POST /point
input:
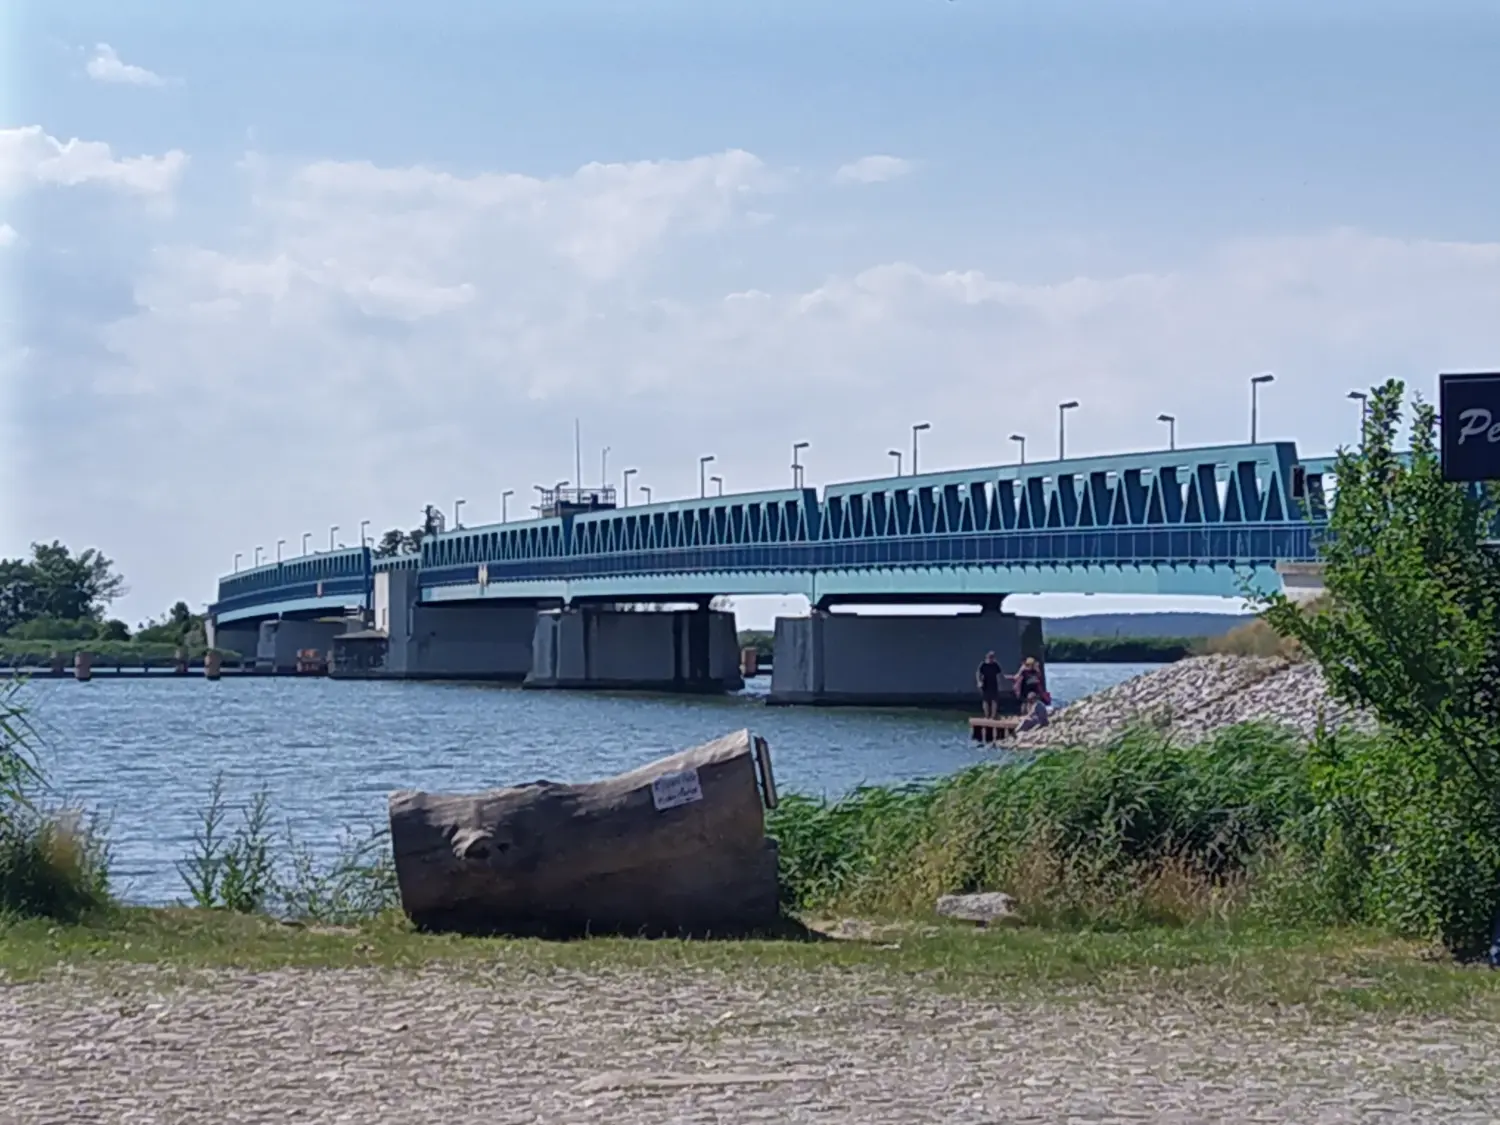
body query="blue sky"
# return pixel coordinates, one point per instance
(400, 246)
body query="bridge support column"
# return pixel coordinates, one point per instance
(695, 650)
(412, 641)
(886, 661)
(234, 637)
(279, 642)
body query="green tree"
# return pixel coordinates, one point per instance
(72, 588)
(1410, 631)
(393, 542)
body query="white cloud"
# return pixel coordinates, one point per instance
(107, 66)
(873, 170)
(30, 157)
(363, 340)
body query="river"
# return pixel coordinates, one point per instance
(144, 752)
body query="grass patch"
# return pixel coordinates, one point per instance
(1330, 972)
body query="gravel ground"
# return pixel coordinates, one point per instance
(1194, 698)
(500, 1046)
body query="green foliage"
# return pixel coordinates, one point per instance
(1409, 632)
(763, 642)
(1141, 831)
(107, 654)
(52, 865)
(57, 584)
(230, 872)
(240, 872)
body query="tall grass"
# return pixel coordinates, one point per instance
(54, 863)
(250, 869)
(1143, 831)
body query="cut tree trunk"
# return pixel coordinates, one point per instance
(677, 846)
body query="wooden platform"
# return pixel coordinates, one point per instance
(993, 730)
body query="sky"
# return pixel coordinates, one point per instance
(268, 268)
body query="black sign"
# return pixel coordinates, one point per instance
(1469, 406)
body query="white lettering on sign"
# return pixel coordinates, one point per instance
(673, 789)
(1477, 420)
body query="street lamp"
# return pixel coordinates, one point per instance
(625, 480)
(280, 543)
(603, 468)
(362, 537)
(1062, 427)
(646, 488)
(1171, 429)
(457, 507)
(258, 551)
(1255, 385)
(915, 430)
(237, 557)
(720, 482)
(306, 535)
(504, 497)
(1020, 439)
(1364, 404)
(796, 464)
(896, 453)
(703, 463)
(332, 531)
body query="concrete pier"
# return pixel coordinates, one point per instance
(412, 641)
(886, 661)
(238, 637)
(279, 642)
(693, 650)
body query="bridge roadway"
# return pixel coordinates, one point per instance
(1196, 521)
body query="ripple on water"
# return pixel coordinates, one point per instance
(144, 751)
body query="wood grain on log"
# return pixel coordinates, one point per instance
(676, 846)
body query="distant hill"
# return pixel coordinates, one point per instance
(1143, 624)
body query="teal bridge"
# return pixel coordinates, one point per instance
(1205, 521)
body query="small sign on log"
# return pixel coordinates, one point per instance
(673, 789)
(1469, 410)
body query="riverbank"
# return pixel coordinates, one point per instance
(1196, 698)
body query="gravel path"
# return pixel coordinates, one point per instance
(628, 1046)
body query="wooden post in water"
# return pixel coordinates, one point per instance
(211, 664)
(55, 665)
(749, 662)
(83, 666)
(180, 661)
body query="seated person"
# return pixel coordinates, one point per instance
(1033, 714)
(1030, 681)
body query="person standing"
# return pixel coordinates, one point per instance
(1029, 681)
(988, 680)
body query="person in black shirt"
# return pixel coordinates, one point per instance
(988, 680)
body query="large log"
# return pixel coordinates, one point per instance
(677, 846)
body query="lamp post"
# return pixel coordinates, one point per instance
(915, 430)
(306, 535)
(720, 482)
(625, 482)
(1020, 440)
(1062, 428)
(797, 448)
(1364, 405)
(1171, 429)
(457, 507)
(603, 468)
(646, 488)
(363, 539)
(280, 543)
(258, 551)
(504, 501)
(896, 453)
(1255, 384)
(332, 531)
(237, 557)
(703, 463)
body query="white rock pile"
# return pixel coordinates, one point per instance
(1192, 699)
